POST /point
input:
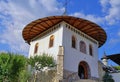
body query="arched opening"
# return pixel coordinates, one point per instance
(36, 48)
(83, 47)
(51, 41)
(73, 42)
(90, 50)
(83, 70)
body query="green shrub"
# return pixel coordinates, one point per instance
(117, 67)
(41, 61)
(12, 66)
(38, 63)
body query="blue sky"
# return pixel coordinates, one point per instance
(15, 14)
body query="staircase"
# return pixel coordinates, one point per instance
(81, 80)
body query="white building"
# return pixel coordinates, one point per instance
(79, 39)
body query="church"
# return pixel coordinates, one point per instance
(72, 41)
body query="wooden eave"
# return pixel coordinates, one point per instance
(36, 27)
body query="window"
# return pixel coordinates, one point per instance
(83, 47)
(90, 50)
(51, 41)
(36, 48)
(73, 42)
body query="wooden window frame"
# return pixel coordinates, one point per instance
(90, 50)
(73, 42)
(83, 47)
(51, 41)
(36, 48)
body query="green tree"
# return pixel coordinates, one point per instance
(12, 67)
(117, 67)
(4, 67)
(41, 61)
(38, 63)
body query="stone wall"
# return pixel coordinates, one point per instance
(71, 76)
(60, 63)
(46, 76)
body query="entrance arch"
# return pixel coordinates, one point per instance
(83, 70)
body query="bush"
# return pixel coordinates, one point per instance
(41, 71)
(117, 67)
(41, 61)
(12, 66)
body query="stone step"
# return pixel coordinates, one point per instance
(86, 81)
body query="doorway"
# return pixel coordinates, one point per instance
(83, 70)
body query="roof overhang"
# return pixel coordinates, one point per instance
(37, 27)
(115, 58)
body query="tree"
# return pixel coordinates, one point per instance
(40, 64)
(41, 61)
(117, 67)
(12, 67)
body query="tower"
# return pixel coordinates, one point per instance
(72, 41)
(105, 59)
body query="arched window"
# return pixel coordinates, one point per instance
(90, 50)
(83, 47)
(36, 48)
(73, 42)
(51, 41)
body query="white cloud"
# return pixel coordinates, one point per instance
(112, 10)
(15, 14)
(119, 33)
(114, 41)
(89, 17)
(104, 4)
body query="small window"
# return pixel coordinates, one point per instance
(36, 48)
(51, 41)
(73, 42)
(83, 47)
(90, 50)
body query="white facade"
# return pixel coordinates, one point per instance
(43, 43)
(72, 56)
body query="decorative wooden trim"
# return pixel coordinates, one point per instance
(81, 33)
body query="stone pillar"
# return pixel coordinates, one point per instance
(60, 60)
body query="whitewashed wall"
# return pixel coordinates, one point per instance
(44, 43)
(73, 56)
